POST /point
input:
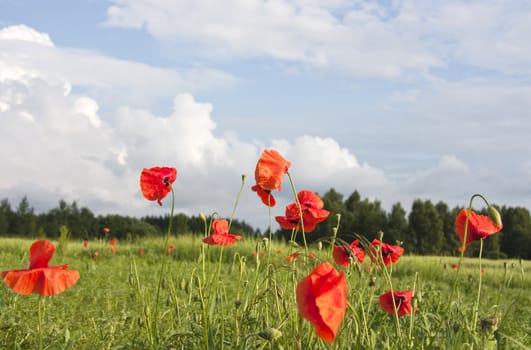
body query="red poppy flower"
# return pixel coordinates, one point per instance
(265, 195)
(390, 253)
(402, 302)
(141, 252)
(113, 249)
(40, 278)
(322, 300)
(106, 230)
(455, 266)
(342, 253)
(85, 243)
(270, 170)
(96, 254)
(479, 227)
(221, 235)
(312, 213)
(156, 182)
(113, 241)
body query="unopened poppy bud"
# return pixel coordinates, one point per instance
(293, 243)
(270, 334)
(495, 216)
(202, 216)
(319, 246)
(372, 282)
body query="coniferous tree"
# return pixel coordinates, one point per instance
(24, 221)
(426, 227)
(397, 227)
(6, 215)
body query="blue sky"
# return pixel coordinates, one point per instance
(397, 99)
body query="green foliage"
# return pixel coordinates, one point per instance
(64, 237)
(429, 229)
(249, 303)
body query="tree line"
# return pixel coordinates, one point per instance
(428, 229)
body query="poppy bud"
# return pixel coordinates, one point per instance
(202, 217)
(319, 246)
(270, 334)
(495, 216)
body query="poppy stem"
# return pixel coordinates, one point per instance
(163, 265)
(236, 202)
(476, 307)
(388, 279)
(40, 311)
(300, 217)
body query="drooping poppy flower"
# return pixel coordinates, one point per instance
(402, 302)
(312, 213)
(322, 300)
(221, 235)
(156, 182)
(389, 253)
(270, 170)
(265, 195)
(40, 278)
(106, 230)
(479, 227)
(269, 173)
(343, 253)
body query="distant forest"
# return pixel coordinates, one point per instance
(428, 229)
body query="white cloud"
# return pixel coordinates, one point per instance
(363, 41)
(25, 33)
(363, 38)
(25, 55)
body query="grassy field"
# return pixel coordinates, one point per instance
(231, 298)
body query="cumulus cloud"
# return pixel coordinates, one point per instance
(60, 141)
(27, 53)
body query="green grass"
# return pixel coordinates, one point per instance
(113, 306)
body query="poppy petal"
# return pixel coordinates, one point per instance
(41, 253)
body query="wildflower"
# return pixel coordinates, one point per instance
(402, 302)
(113, 249)
(96, 254)
(322, 300)
(141, 252)
(40, 278)
(221, 235)
(343, 253)
(455, 266)
(269, 173)
(156, 182)
(113, 242)
(265, 195)
(106, 230)
(85, 243)
(312, 212)
(389, 253)
(293, 256)
(479, 227)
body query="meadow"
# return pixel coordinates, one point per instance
(197, 296)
